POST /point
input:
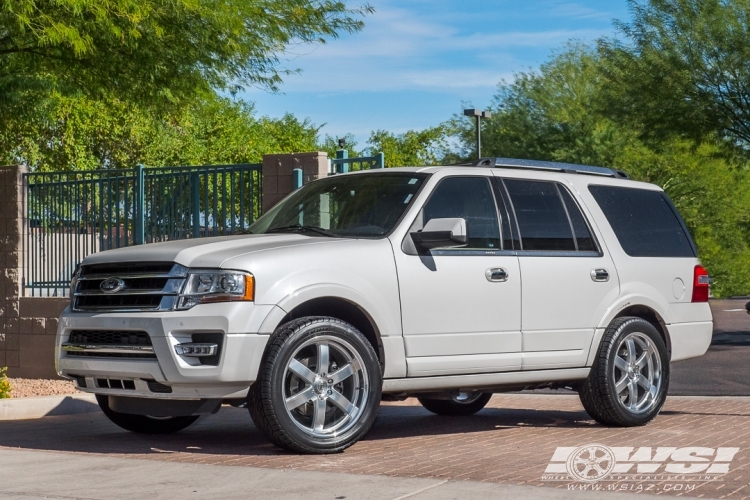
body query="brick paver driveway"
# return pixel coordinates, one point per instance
(510, 441)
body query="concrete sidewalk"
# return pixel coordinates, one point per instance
(31, 474)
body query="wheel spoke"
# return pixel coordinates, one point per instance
(319, 414)
(323, 358)
(339, 400)
(621, 363)
(631, 350)
(632, 394)
(643, 382)
(345, 372)
(300, 398)
(302, 371)
(643, 360)
(622, 384)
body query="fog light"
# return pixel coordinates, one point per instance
(194, 350)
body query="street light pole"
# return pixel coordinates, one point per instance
(478, 114)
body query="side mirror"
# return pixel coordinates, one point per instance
(441, 233)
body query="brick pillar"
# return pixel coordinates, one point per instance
(277, 173)
(11, 260)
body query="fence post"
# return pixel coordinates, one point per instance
(195, 203)
(341, 154)
(380, 161)
(139, 205)
(296, 179)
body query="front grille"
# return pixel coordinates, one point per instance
(148, 286)
(109, 337)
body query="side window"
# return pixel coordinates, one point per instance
(470, 198)
(584, 240)
(542, 218)
(644, 221)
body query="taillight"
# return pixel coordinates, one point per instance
(701, 281)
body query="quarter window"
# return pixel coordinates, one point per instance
(644, 222)
(471, 199)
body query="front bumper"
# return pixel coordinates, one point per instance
(242, 350)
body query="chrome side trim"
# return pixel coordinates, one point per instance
(108, 349)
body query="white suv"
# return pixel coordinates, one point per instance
(445, 283)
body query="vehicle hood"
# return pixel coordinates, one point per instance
(207, 252)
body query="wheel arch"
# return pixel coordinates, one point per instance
(345, 310)
(647, 313)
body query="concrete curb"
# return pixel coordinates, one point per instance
(28, 408)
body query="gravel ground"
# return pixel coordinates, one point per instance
(30, 387)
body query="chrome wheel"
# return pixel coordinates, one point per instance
(464, 397)
(325, 386)
(637, 373)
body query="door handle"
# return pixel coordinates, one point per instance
(600, 275)
(496, 274)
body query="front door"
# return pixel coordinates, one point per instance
(569, 280)
(461, 307)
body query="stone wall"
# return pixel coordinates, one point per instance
(27, 324)
(277, 173)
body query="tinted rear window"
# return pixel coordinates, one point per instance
(644, 222)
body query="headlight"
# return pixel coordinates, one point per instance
(203, 287)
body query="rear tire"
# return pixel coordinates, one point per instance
(318, 389)
(143, 424)
(459, 405)
(629, 380)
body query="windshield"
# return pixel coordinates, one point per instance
(365, 205)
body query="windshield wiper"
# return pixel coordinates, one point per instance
(300, 227)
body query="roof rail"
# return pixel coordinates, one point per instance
(553, 166)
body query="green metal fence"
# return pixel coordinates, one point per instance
(72, 214)
(341, 164)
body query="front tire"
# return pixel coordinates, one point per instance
(628, 382)
(319, 386)
(143, 424)
(461, 404)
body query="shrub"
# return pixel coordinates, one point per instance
(4, 384)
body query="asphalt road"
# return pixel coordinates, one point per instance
(725, 369)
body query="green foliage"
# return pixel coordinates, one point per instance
(331, 144)
(148, 50)
(78, 133)
(557, 114)
(683, 69)
(412, 148)
(5, 389)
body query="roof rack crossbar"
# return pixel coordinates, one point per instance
(549, 166)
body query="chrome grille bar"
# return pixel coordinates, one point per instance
(108, 349)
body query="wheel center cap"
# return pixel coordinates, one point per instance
(320, 386)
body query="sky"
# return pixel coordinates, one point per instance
(418, 62)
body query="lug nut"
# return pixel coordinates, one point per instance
(330, 380)
(330, 392)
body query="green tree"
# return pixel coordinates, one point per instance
(78, 133)
(682, 69)
(146, 50)
(412, 148)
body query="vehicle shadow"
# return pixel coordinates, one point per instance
(231, 431)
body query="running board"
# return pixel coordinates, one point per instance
(482, 380)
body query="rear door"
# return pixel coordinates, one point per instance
(568, 278)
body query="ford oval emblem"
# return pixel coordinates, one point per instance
(112, 285)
